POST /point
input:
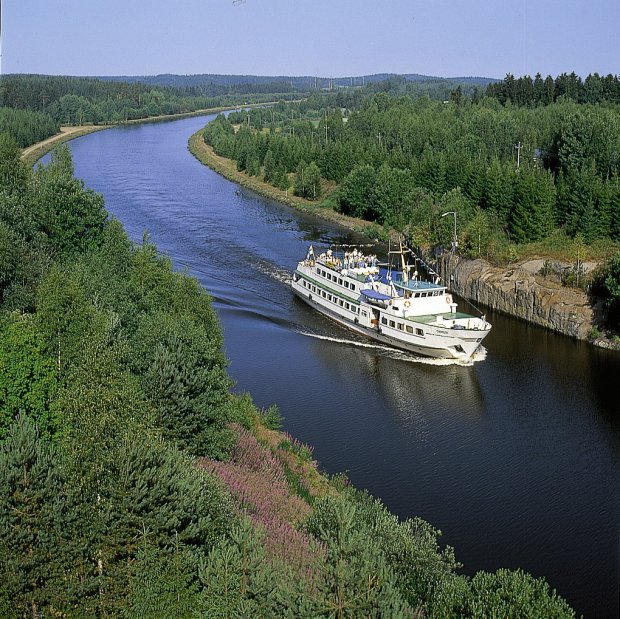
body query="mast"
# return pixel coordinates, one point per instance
(402, 260)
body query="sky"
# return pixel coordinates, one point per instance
(329, 38)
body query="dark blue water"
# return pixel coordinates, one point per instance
(514, 458)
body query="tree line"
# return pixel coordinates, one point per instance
(26, 126)
(524, 90)
(132, 481)
(517, 174)
(78, 101)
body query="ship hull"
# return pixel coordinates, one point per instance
(436, 342)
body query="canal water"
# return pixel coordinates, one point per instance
(514, 457)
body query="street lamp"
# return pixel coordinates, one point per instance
(455, 242)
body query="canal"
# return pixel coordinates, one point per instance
(514, 457)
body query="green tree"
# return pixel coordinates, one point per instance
(161, 585)
(356, 192)
(28, 379)
(512, 595)
(357, 580)
(71, 216)
(30, 492)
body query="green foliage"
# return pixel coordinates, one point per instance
(308, 181)
(41, 102)
(355, 196)
(25, 126)
(161, 585)
(607, 287)
(392, 146)
(512, 595)
(190, 392)
(357, 580)
(237, 581)
(28, 376)
(30, 493)
(13, 174)
(72, 217)
(65, 316)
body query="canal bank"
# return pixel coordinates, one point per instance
(514, 457)
(515, 290)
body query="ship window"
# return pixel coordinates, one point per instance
(341, 302)
(340, 281)
(323, 293)
(346, 305)
(400, 326)
(392, 324)
(384, 320)
(419, 332)
(409, 329)
(364, 314)
(352, 286)
(417, 295)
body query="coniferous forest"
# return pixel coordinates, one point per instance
(134, 483)
(517, 171)
(524, 162)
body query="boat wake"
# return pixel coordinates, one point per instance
(479, 355)
(273, 272)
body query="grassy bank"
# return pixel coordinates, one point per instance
(228, 169)
(32, 154)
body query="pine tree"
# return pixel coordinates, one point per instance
(189, 390)
(30, 492)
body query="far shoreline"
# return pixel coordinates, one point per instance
(31, 154)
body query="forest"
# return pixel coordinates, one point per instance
(26, 126)
(542, 171)
(135, 483)
(81, 100)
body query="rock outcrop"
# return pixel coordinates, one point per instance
(517, 291)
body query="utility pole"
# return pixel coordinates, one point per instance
(455, 242)
(518, 148)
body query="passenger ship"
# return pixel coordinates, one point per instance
(390, 306)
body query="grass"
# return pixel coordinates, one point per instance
(228, 169)
(558, 246)
(33, 153)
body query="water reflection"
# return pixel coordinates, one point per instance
(515, 458)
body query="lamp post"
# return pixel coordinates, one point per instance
(455, 242)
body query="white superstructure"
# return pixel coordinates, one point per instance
(386, 305)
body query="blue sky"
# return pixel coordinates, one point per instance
(310, 37)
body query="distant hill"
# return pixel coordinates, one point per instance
(303, 82)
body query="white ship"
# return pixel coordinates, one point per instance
(389, 306)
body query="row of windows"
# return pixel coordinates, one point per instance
(330, 297)
(427, 293)
(401, 326)
(334, 278)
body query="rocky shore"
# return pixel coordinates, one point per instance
(516, 290)
(519, 290)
